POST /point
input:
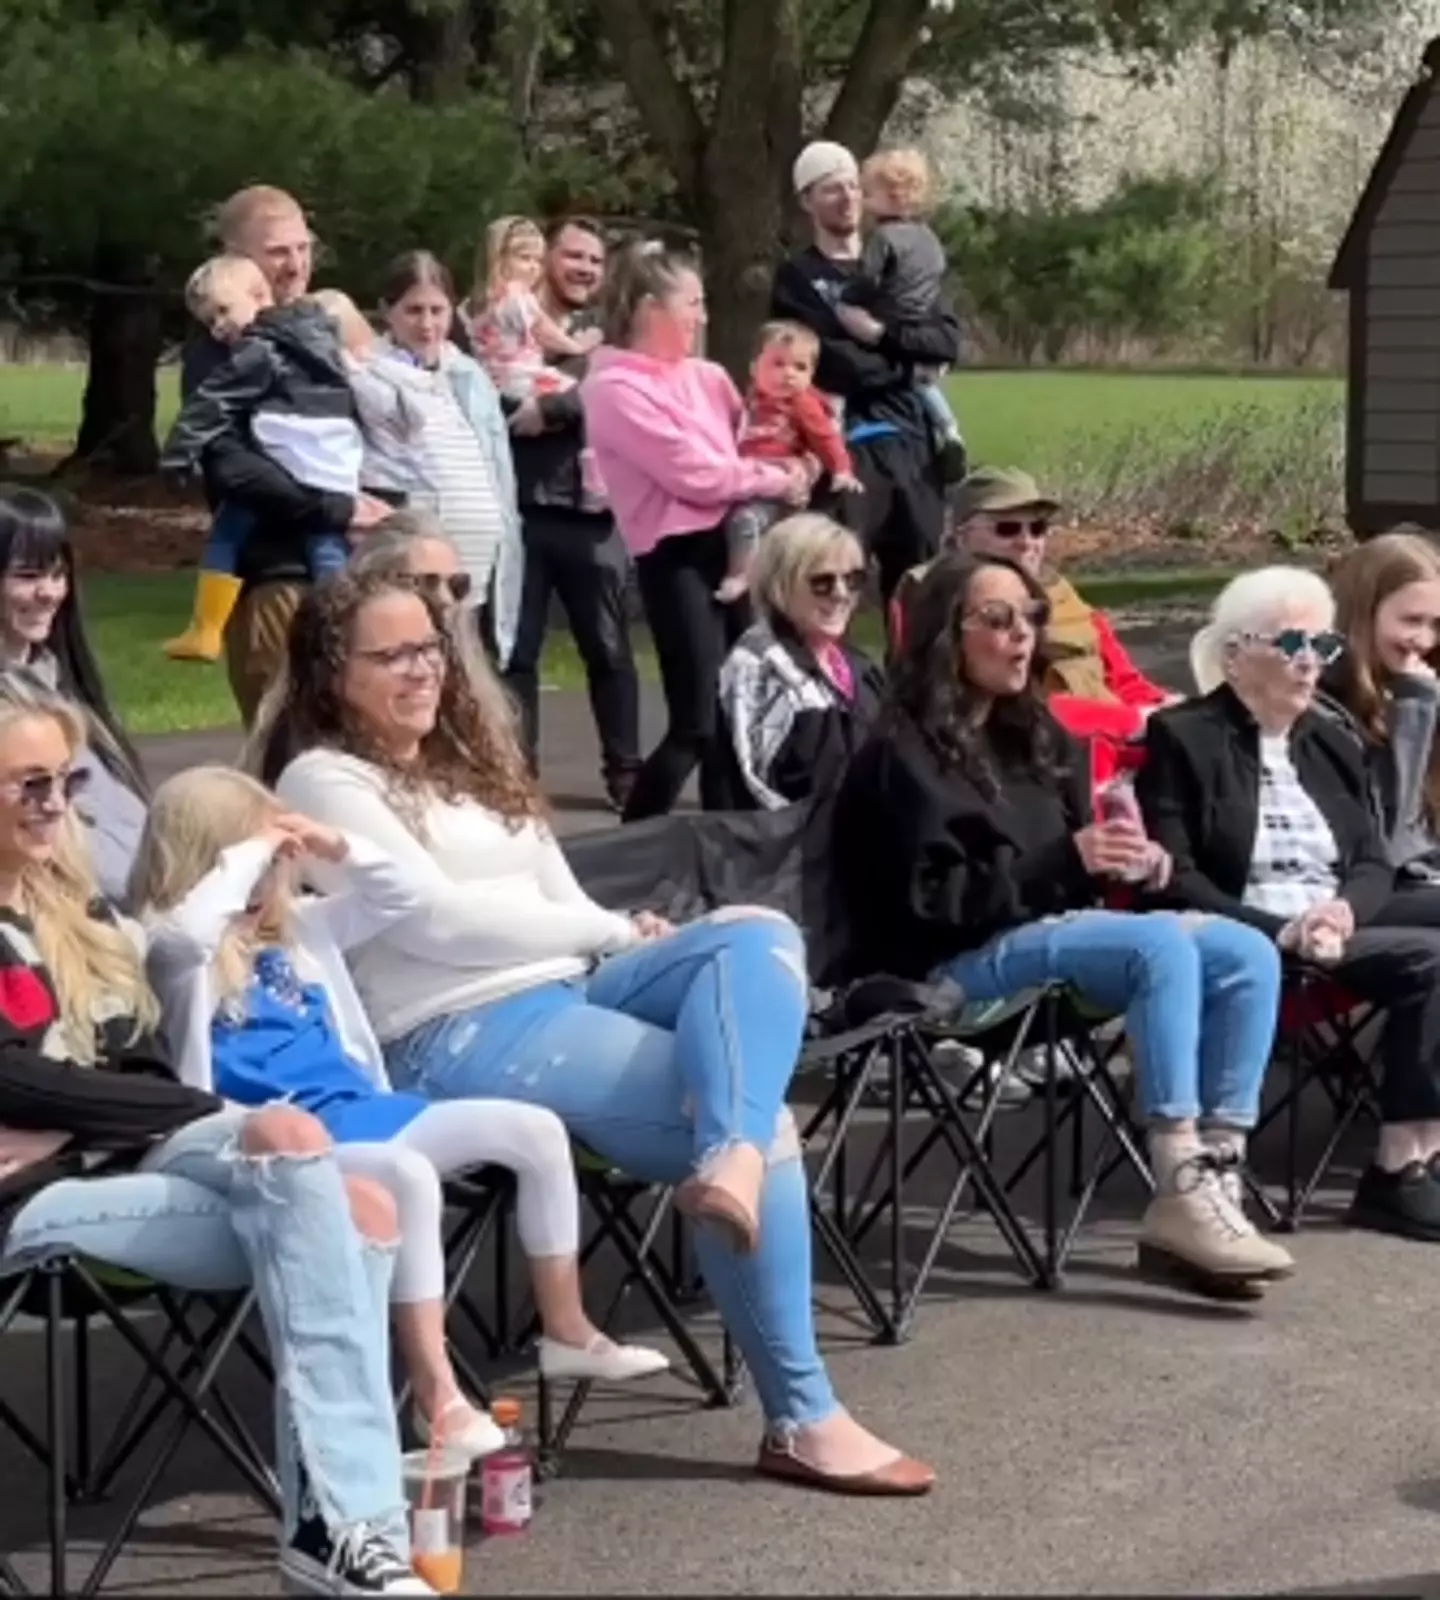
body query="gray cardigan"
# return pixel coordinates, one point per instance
(1399, 769)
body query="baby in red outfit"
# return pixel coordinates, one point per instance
(785, 419)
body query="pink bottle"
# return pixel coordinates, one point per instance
(1116, 802)
(507, 1477)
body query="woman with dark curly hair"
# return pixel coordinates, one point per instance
(668, 1051)
(967, 851)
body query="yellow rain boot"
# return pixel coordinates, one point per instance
(215, 597)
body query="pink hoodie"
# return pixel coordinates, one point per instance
(663, 433)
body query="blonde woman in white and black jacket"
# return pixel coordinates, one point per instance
(797, 698)
(259, 1007)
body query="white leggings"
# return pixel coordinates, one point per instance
(457, 1136)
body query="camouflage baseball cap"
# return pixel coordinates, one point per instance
(990, 490)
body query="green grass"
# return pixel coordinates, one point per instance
(1024, 419)
(130, 617)
(1010, 418)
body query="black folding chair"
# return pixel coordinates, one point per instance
(77, 1291)
(1319, 1044)
(629, 1215)
(882, 1031)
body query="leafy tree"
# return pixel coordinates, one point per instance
(121, 198)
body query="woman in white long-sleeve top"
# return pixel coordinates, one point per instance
(259, 1007)
(668, 1051)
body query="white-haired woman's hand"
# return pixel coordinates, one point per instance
(650, 927)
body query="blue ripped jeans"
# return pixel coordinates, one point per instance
(1200, 996)
(665, 1055)
(203, 1215)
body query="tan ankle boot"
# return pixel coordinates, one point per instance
(726, 1193)
(1193, 1235)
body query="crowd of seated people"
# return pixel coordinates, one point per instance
(290, 998)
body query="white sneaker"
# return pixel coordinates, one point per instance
(465, 1428)
(601, 1361)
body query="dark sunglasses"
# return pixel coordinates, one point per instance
(1014, 527)
(1000, 616)
(831, 585)
(40, 788)
(458, 584)
(1326, 646)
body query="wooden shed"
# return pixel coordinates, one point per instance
(1389, 265)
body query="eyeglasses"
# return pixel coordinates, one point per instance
(457, 584)
(1326, 646)
(1000, 616)
(1014, 527)
(832, 585)
(38, 789)
(428, 656)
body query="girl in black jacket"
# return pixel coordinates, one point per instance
(220, 1200)
(966, 851)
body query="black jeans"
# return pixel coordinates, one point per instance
(581, 558)
(1394, 961)
(693, 633)
(900, 519)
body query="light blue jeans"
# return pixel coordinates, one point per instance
(665, 1055)
(1200, 996)
(205, 1216)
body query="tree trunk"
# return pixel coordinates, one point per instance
(117, 420)
(740, 241)
(444, 53)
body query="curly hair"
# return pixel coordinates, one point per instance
(929, 689)
(471, 753)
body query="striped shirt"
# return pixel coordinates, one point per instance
(464, 495)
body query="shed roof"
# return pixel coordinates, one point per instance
(1346, 271)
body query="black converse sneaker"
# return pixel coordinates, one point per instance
(359, 1560)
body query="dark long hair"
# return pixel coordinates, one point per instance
(470, 754)
(33, 537)
(928, 687)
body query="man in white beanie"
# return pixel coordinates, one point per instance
(901, 515)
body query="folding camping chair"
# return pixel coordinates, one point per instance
(1321, 1027)
(78, 1291)
(882, 1030)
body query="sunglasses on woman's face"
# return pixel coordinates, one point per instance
(832, 585)
(1292, 643)
(1000, 616)
(1015, 527)
(456, 584)
(36, 790)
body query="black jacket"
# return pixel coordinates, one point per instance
(1199, 789)
(876, 382)
(929, 865)
(547, 465)
(288, 360)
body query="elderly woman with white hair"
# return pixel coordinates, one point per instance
(797, 698)
(1263, 804)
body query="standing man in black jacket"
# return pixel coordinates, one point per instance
(572, 547)
(269, 227)
(901, 515)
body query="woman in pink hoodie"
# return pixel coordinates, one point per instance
(662, 425)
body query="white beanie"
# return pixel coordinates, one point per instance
(822, 160)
